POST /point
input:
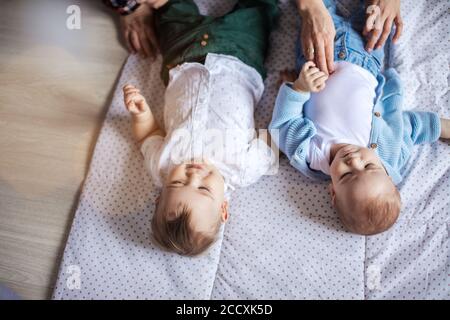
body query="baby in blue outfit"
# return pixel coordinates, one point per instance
(350, 127)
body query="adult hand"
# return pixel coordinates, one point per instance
(138, 32)
(155, 4)
(381, 14)
(317, 35)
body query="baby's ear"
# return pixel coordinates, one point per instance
(332, 194)
(224, 209)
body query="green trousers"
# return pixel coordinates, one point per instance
(187, 36)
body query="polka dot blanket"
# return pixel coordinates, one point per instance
(283, 239)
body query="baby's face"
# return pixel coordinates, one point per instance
(356, 174)
(201, 187)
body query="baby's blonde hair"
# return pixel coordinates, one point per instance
(172, 232)
(372, 216)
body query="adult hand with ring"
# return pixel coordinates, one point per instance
(138, 32)
(317, 34)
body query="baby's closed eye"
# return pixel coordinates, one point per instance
(345, 174)
(177, 182)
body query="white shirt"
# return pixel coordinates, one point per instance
(341, 112)
(208, 114)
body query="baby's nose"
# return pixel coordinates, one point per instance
(354, 161)
(194, 177)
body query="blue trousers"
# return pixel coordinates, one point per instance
(349, 42)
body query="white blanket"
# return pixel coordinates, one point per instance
(283, 239)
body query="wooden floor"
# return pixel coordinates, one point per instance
(55, 86)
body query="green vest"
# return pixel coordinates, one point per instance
(187, 36)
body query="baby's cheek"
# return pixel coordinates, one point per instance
(333, 172)
(177, 172)
(219, 188)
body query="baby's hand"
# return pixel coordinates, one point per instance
(134, 101)
(311, 79)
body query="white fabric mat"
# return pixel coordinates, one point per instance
(283, 240)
